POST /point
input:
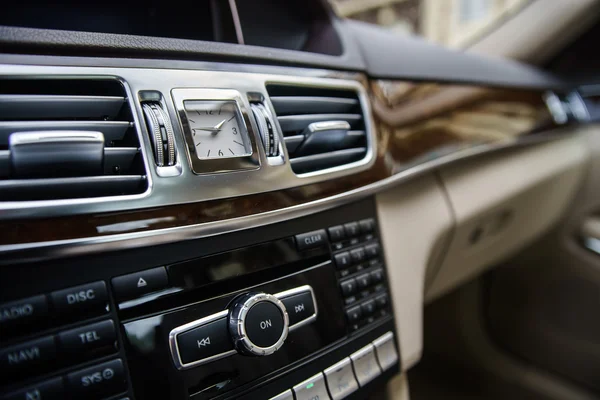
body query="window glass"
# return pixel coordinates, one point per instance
(453, 23)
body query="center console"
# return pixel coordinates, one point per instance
(294, 310)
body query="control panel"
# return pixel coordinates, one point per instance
(297, 310)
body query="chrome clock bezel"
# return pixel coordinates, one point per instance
(216, 165)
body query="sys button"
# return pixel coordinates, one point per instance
(299, 307)
(311, 239)
(100, 381)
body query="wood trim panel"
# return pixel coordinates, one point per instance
(414, 123)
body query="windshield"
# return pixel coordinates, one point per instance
(452, 23)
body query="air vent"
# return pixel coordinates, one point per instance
(66, 139)
(566, 107)
(322, 128)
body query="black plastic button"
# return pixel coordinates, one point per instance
(377, 275)
(342, 260)
(52, 389)
(89, 341)
(299, 307)
(28, 356)
(363, 280)
(348, 286)
(97, 382)
(140, 283)
(354, 313)
(311, 239)
(81, 300)
(264, 324)
(368, 307)
(336, 233)
(367, 225)
(358, 254)
(204, 341)
(351, 229)
(23, 312)
(382, 300)
(372, 250)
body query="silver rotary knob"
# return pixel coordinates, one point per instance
(258, 324)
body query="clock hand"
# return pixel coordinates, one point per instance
(214, 130)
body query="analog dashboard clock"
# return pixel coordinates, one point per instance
(217, 130)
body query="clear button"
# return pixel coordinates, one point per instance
(386, 351)
(312, 389)
(340, 379)
(365, 364)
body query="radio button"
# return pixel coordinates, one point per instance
(204, 341)
(365, 364)
(312, 239)
(22, 312)
(312, 388)
(97, 382)
(85, 299)
(340, 379)
(299, 307)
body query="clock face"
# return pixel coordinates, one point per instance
(217, 129)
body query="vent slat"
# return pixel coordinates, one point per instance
(42, 113)
(300, 122)
(327, 160)
(312, 104)
(292, 142)
(14, 106)
(118, 159)
(62, 188)
(112, 130)
(4, 163)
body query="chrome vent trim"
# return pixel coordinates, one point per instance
(60, 107)
(324, 129)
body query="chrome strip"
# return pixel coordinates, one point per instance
(189, 187)
(18, 253)
(184, 328)
(299, 290)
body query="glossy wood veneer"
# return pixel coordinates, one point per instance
(414, 123)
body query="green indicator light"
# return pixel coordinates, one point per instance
(310, 385)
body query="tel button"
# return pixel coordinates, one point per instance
(47, 390)
(204, 341)
(27, 356)
(99, 381)
(24, 311)
(85, 299)
(90, 340)
(311, 239)
(299, 307)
